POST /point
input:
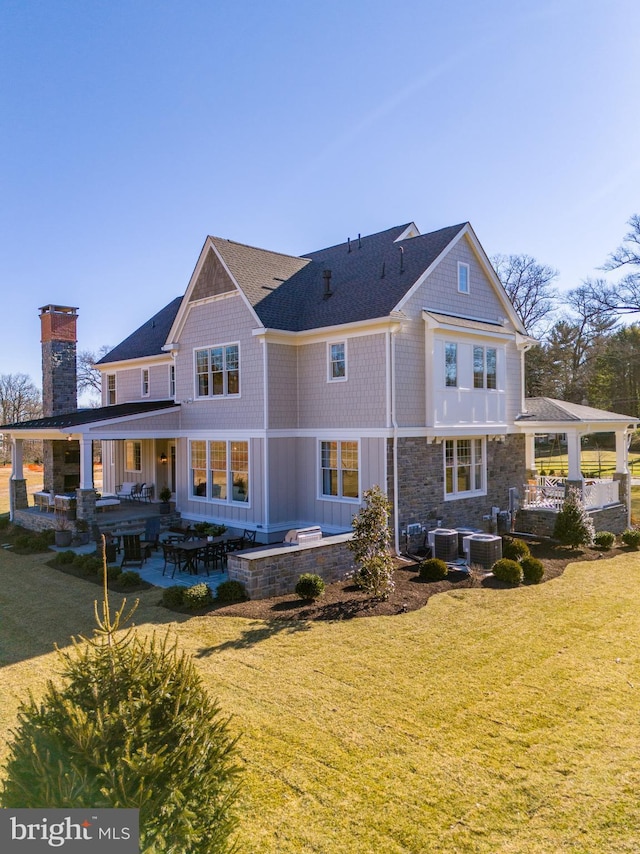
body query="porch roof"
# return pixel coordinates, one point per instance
(83, 420)
(547, 415)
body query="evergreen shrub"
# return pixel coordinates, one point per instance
(197, 596)
(433, 569)
(507, 570)
(231, 591)
(532, 569)
(514, 548)
(574, 526)
(310, 586)
(604, 539)
(172, 597)
(631, 538)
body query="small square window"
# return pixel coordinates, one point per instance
(463, 278)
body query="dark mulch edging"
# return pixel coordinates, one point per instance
(343, 600)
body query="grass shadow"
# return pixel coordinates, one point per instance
(255, 634)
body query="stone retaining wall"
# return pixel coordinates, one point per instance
(274, 571)
(541, 522)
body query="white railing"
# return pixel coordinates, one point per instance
(547, 493)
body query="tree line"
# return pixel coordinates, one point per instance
(586, 353)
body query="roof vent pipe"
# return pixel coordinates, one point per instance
(359, 241)
(348, 244)
(326, 275)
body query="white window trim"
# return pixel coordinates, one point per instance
(445, 385)
(172, 380)
(472, 493)
(225, 502)
(463, 265)
(339, 498)
(225, 395)
(115, 389)
(484, 386)
(144, 372)
(133, 442)
(330, 377)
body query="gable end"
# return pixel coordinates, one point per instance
(213, 279)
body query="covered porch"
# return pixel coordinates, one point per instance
(607, 499)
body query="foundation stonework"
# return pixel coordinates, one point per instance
(421, 483)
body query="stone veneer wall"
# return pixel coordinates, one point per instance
(274, 571)
(421, 483)
(542, 522)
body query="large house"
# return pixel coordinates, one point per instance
(278, 389)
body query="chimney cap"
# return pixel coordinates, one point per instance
(58, 309)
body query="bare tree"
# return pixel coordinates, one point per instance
(622, 297)
(19, 399)
(529, 287)
(89, 378)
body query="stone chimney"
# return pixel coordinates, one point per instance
(59, 393)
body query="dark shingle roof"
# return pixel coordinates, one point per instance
(367, 280)
(148, 339)
(88, 416)
(548, 410)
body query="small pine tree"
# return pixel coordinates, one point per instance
(131, 727)
(574, 526)
(371, 545)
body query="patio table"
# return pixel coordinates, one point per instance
(191, 550)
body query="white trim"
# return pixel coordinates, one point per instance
(131, 364)
(197, 398)
(220, 502)
(357, 329)
(342, 499)
(472, 493)
(410, 231)
(330, 362)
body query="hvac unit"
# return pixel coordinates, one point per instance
(444, 544)
(462, 533)
(482, 549)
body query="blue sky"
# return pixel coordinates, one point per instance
(131, 130)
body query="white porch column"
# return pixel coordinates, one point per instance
(622, 456)
(530, 454)
(86, 463)
(17, 463)
(573, 452)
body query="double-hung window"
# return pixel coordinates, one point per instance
(145, 382)
(111, 390)
(132, 456)
(464, 467)
(339, 469)
(337, 358)
(485, 367)
(220, 470)
(172, 380)
(218, 371)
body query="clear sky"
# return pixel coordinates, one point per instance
(131, 129)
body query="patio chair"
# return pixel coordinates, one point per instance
(215, 557)
(248, 538)
(124, 490)
(151, 538)
(172, 557)
(132, 553)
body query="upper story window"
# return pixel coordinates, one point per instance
(145, 382)
(172, 380)
(133, 456)
(111, 390)
(450, 365)
(485, 362)
(220, 470)
(463, 277)
(337, 357)
(464, 467)
(339, 469)
(218, 371)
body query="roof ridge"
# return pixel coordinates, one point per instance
(258, 248)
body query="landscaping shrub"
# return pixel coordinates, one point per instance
(130, 578)
(371, 545)
(433, 569)
(231, 591)
(507, 570)
(113, 572)
(631, 538)
(310, 586)
(532, 569)
(574, 526)
(5, 521)
(514, 549)
(172, 596)
(89, 564)
(604, 539)
(65, 557)
(30, 543)
(197, 596)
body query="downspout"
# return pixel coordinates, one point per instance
(394, 424)
(265, 383)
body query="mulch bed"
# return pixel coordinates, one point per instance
(343, 600)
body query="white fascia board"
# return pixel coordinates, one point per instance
(133, 364)
(455, 431)
(576, 426)
(357, 329)
(438, 325)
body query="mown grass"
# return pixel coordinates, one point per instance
(593, 463)
(490, 721)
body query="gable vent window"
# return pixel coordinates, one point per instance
(463, 278)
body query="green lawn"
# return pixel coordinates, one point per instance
(593, 463)
(490, 721)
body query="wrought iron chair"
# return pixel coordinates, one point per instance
(172, 557)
